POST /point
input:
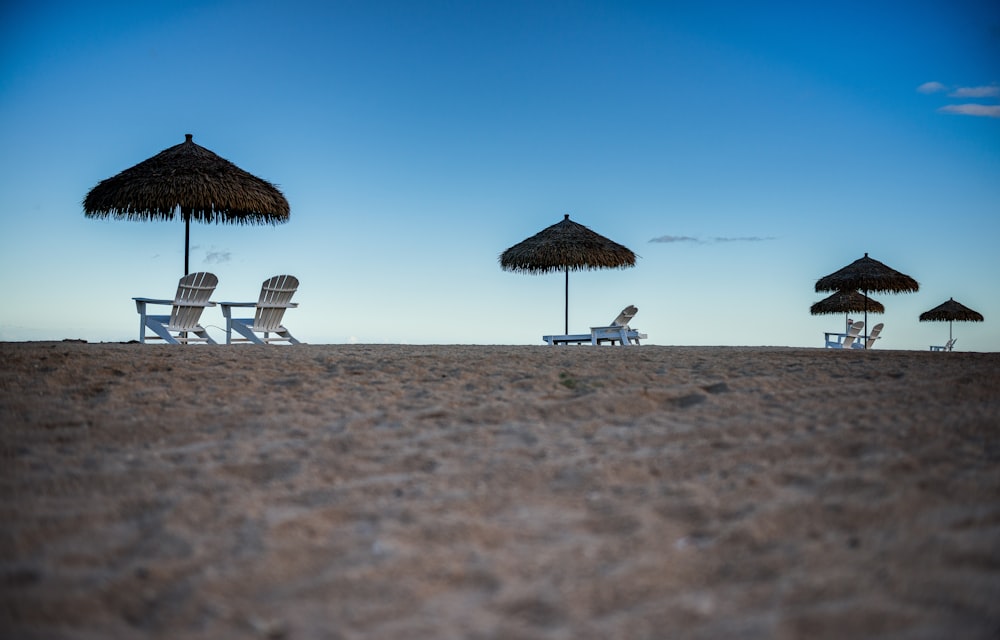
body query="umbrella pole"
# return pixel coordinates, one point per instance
(187, 241)
(866, 317)
(566, 326)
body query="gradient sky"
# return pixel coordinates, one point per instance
(742, 150)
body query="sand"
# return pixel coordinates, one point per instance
(488, 492)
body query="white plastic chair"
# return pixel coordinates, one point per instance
(617, 331)
(948, 346)
(193, 292)
(275, 296)
(872, 337)
(849, 337)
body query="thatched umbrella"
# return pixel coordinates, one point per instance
(192, 180)
(951, 311)
(846, 302)
(867, 274)
(566, 246)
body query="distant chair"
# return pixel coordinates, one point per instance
(872, 337)
(193, 292)
(947, 346)
(275, 296)
(617, 331)
(833, 340)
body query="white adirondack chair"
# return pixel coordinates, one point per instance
(848, 338)
(617, 331)
(872, 337)
(275, 297)
(181, 326)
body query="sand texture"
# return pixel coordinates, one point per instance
(385, 491)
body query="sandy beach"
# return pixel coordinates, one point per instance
(387, 491)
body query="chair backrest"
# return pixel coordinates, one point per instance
(193, 292)
(853, 333)
(275, 297)
(625, 316)
(877, 329)
(948, 345)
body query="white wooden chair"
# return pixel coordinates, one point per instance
(617, 331)
(844, 340)
(870, 340)
(193, 292)
(947, 346)
(275, 297)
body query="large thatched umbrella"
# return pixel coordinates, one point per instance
(193, 181)
(951, 311)
(566, 246)
(846, 302)
(867, 274)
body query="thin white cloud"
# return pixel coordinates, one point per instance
(672, 239)
(743, 239)
(932, 87)
(669, 239)
(217, 257)
(989, 91)
(982, 110)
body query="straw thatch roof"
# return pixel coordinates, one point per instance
(867, 274)
(566, 246)
(846, 302)
(951, 310)
(204, 186)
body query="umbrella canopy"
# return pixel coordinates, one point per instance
(867, 274)
(192, 180)
(846, 302)
(566, 246)
(950, 311)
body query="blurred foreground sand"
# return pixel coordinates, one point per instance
(393, 491)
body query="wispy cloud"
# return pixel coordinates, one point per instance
(984, 110)
(932, 87)
(217, 257)
(990, 91)
(744, 239)
(672, 239)
(669, 239)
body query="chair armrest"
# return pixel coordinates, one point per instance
(153, 301)
(237, 304)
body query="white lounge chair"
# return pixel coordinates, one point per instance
(618, 331)
(869, 342)
(275, 297)
(193, 292)
(947, 346)
(847, 338)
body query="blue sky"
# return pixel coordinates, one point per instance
(743, 152)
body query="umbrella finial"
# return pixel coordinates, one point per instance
(188, 136)
(565, 216)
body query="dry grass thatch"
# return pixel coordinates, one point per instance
(951, 310)
(191, 178)
(868, 274)
(846, 302)
(566, 246)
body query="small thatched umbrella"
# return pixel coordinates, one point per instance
(566, 246)
(193, 180)
(867, 274)
(846, 302)
(951, 311)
